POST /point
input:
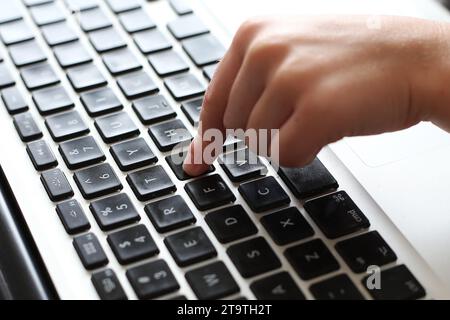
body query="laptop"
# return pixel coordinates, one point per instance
(96, 97)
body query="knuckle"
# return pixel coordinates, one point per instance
(267, 48)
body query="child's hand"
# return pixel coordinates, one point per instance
(324, 78)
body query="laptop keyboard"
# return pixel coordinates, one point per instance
(256, 256)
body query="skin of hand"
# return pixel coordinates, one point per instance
(319, 79)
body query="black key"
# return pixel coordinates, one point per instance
(106, 40)
(9, 11)
(150, 183)
(209, 71)
(192, 109)
(81, 152)
(230, 224)
(337, 288)
(26, 127)
(151, 41)
(39, 76)
(180, 297)
(26, 53)
(180, 6)
(31, 3)
(71, 54)
(204, 50)
(153, 109)
(336, 215)
(81, 5)
(90, 251)
(152, 279)
(51, 100)
(135, 85)
(56, 185)
(116, 127)
(170, 134)
(72, 217)
(287, 226)
(136, 20)
(94, 19)
(397, 283)
(212, 281)
(209, 192)
(253, 257)
(6, 79)
(132, 244)
(97, 181)
(119, 6)
(121, 61)
(242, 165)
(114, 211)
(15, 32)
(365, 250)
(86, 77)
(184, 86)
(41, 155)
(190, 246)
(108, 286)
(264, 194)
(133, 154)
(311, 259)
(175, 161)
(13, 100)
(187, 26)
(167, 63)
(312, 180)
(47, 14)
(280, 286)
(100, 102)
(65, 126)
(58, 33)
(169, 214)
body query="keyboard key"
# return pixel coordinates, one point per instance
(81, 5)
(167, 63)
(230, 224)
(26, 53)
(136, 20)
(135, 85)
(187, 26)
(39, 76)
(14, 101)
(253, 257)
(169, 214)
(106, 40)
(336, 215)
(31, 3)
(65, 126)
(337, 288)
(150, 183)
(192, 109)
(209, 192)
(264, 194)
(152, 279)
(71, 54)
(287, 226)
(133, 154)
(15, 32)
(190, 246)
(175, 161)
(94, 19)
(184, 86)
(97, 181)
(41, 155)
(212, 281)
(26, 127)
(47, 14)
(100, 102)
(86, 77)
(311, 259)
(151, 41)
(204, 49)
(312, 180)
(52, 100)
(119, 6)
(9, 11)
(108, 286)
(6, 79)
(153, 109)
(242, 165)
(180, 6)
(81, 152)
(58, 33)
(114, 211)
(280, 286)
(72, 217)
(121, 61)
(90, 251)
(116, 127)
(365, 250)
(170, 134)
(209, 71)
(132, 244)
(56, 185)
